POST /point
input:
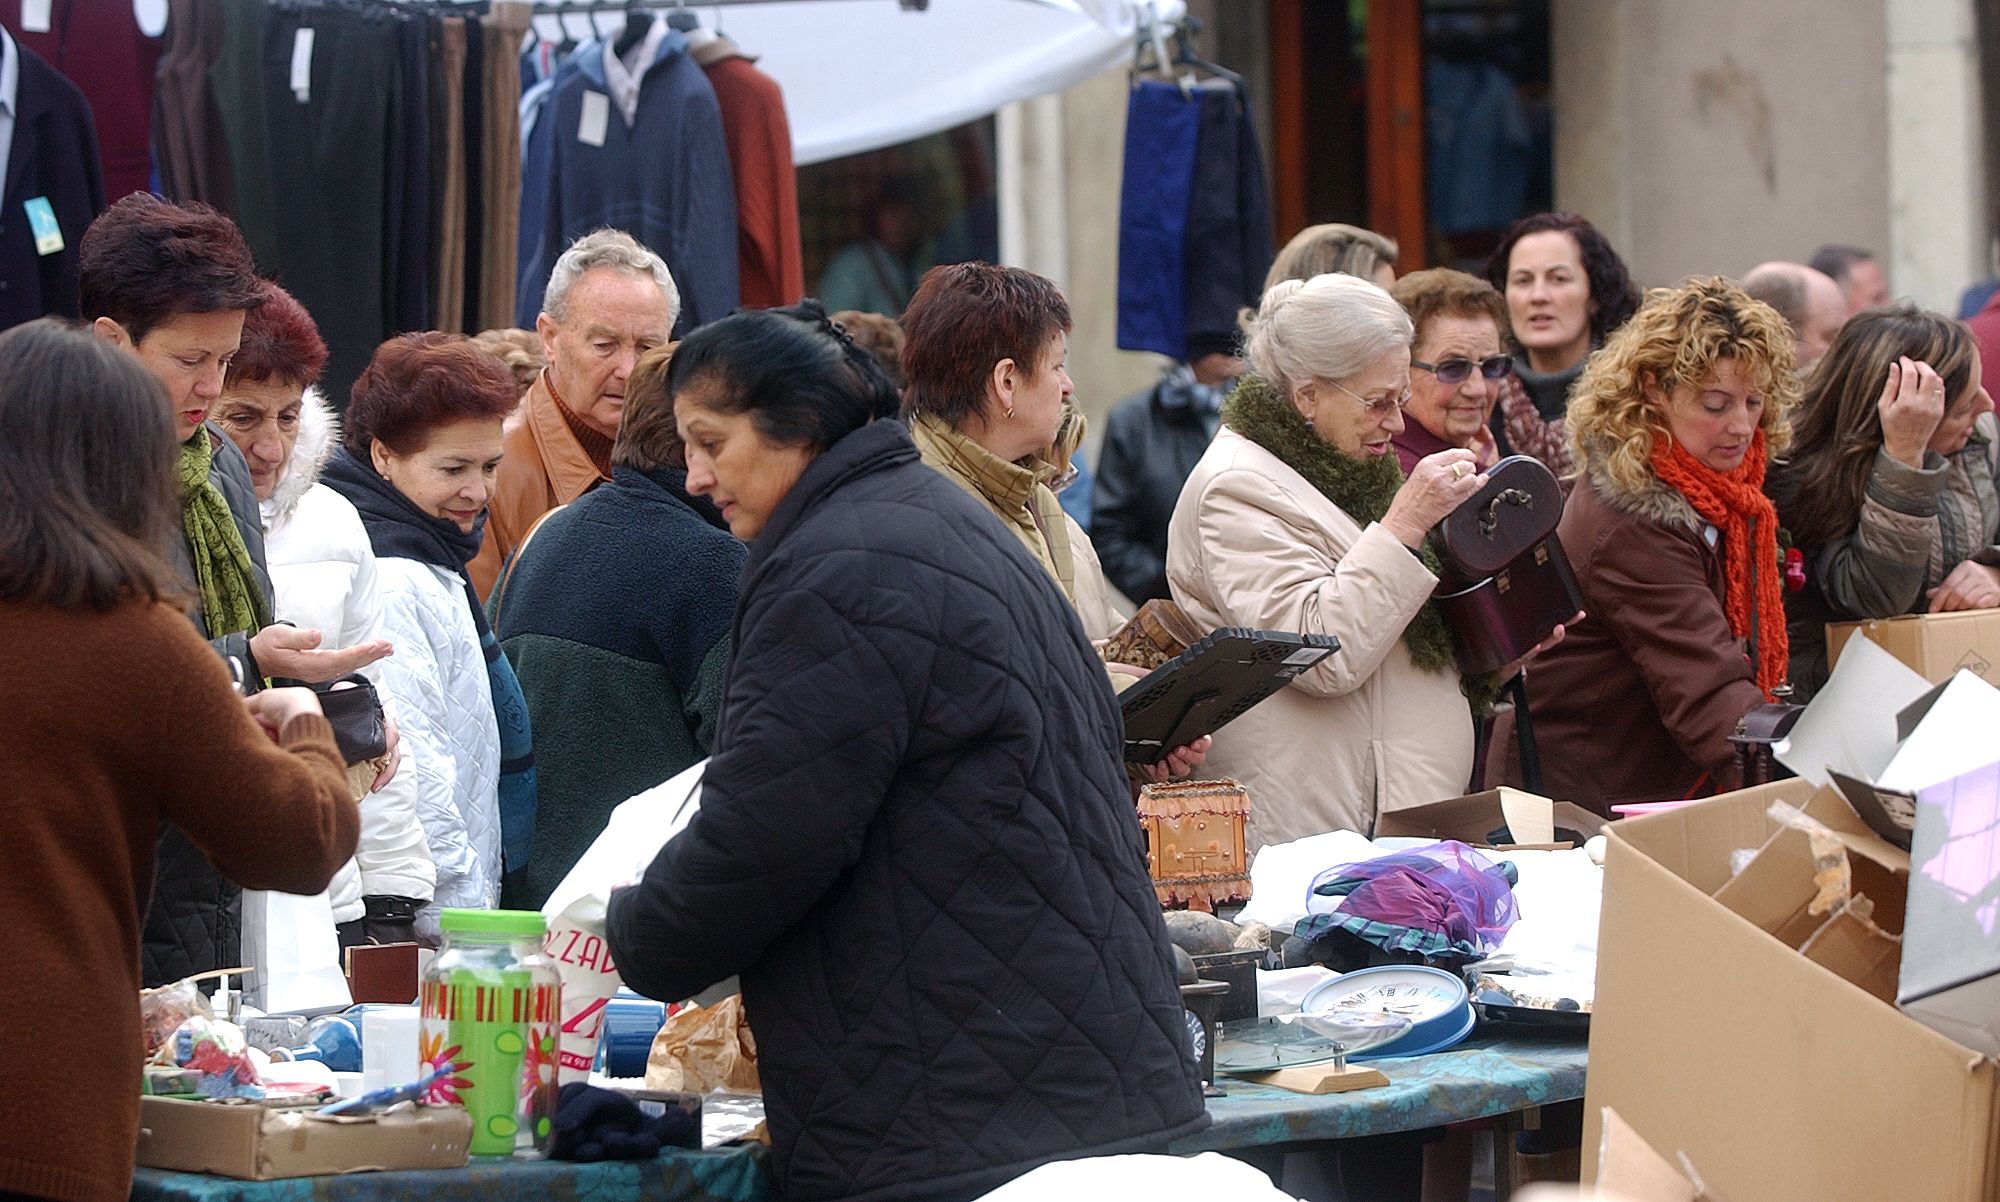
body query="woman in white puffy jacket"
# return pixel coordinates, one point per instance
(324, 574)
(417, 458)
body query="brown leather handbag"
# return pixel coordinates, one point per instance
(1507, 583)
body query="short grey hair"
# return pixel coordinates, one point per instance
(1328, 328)
(1781, 286)
(611, 248)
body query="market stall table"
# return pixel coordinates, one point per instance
(733, 1174)
(1491, 1075)
(1497, 1074)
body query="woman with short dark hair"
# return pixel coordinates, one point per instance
(93, 762)
(915, 842)
(1889, 491)
(1566, 290)
(423, 441)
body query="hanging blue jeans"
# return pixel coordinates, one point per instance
(1162, 129)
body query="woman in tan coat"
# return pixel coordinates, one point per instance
(1299, 518)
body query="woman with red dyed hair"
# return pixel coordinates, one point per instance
(422, 445)
(323, 577)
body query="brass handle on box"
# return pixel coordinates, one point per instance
(1490, 520)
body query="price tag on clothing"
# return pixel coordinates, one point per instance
(35, 15)
(596, 119)
(302, 63)
(42, 223)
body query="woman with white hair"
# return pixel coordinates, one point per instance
(1299, 518)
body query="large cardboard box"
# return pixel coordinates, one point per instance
(1778, 1077)
(263, 1143)
(1935, 645)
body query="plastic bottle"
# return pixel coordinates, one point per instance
(492, 1006)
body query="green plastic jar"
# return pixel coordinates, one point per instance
(492, 1010)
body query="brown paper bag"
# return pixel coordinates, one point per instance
(703, 1049)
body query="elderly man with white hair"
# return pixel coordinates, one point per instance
(609, 300)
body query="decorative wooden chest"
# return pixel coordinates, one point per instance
(1194, 842)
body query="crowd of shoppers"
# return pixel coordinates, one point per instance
(828, 556)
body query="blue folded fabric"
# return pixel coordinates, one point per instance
(1162, 130)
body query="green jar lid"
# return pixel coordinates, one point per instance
(518, 924)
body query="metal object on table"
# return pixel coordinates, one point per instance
(1202, 1002)
(1759, 732)
(1285, 1040)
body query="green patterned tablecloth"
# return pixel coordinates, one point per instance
(736, 1174)
(1485, 1076)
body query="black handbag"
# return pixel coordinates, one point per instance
(1506, 583)
(354, 710)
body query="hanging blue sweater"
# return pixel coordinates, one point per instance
(664, 178)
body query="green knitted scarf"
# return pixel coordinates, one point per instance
(231, 602)
(1361, 488)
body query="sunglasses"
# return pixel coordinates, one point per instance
(1457, 371)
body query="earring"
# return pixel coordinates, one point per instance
(1008, 410)
(1311, 427)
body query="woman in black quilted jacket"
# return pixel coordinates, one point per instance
(915, 843)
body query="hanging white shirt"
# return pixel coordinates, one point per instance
(10, 91)
(623, 75)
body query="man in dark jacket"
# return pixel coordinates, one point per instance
(616, 618)
(917, 848)
(51, 160)
(1151, 444)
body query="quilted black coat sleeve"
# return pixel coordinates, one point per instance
(917, 848)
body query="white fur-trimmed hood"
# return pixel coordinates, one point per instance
(319, 437)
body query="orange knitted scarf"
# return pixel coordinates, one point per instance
(1734, 502)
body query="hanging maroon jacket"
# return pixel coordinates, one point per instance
(770, 266)
(99, 46)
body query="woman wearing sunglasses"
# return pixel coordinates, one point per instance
(1456, 365)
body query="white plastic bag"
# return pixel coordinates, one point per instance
(638, 829)
(293, 951)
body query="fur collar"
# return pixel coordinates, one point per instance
(319, 435)
(1360, 488)
(1658, 502)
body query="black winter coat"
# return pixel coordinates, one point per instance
(54, 156)
(917, 847)
(1151, 444)
(195, 921)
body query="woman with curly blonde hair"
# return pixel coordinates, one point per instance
(1675, 545)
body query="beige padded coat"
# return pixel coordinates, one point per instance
(1252, 543)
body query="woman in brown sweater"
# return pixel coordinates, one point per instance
(119, 718)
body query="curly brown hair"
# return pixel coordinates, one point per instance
(1617, 415)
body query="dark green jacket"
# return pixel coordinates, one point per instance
(616, 619)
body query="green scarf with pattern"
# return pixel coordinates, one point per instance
(231, 602)
(1363, 490)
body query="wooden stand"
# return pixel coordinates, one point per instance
(1319, 1078)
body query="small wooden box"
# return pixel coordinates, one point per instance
(1194, 842)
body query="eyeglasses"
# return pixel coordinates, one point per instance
(1456, 371)
(1376, 406)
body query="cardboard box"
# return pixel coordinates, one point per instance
(1532, 820)
(1935, 645)
(262, 1143)
(1630, 1168)
(1781, 1080)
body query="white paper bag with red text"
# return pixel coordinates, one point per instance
(638, 829)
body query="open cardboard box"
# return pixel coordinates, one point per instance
(1531, 820)
(1777, 1075)
(1935, 645)
(264, 1143)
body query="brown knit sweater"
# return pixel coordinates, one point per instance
(113, 724)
